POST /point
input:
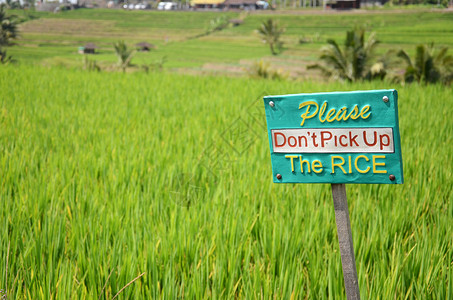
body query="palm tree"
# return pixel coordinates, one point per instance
(124, 55)
(8, 27)
(270, 32)
(217, 24)
(428, 66)
(8, 32)
(353, 62)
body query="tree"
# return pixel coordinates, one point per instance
(8, 27)
(124, 55)
(217, 24)
(428, 66)
(12, 4)
(352, 63)
(8, 32)
(270, 32)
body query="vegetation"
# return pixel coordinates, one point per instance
(218, 24)
(441, 3)
(91, 65)
(428, 65)
(158, 65)
(8, 32)
(4, 57)
(53, 38)
(352, 63)
(8, 27)
(158, 185)
(263, 69)
(12, 4)
(270, 32)
(124, 55)
(107, 178)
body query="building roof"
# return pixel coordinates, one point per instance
(236, 21)
(239, 2)
(91, 46)
(207, 2)
(145, 45)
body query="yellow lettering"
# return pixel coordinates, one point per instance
(292, 161)
(337, 164)
(357, 167)
(317, 166)
(378, 164)
(331, 113)
(340, 117)
(301, 164)
(365, 109)
(321, 112)
(306, 115)
(354, 114)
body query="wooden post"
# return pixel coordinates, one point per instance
(340, 203)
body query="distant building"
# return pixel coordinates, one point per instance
(240, 4)
(346, 4)
(229, 4)
(203, 4)
(89, 48)
(144, 46)
(236, 22)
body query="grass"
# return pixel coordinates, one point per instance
(56, 37)
(106, 176)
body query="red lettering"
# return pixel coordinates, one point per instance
(314, 136)
(366, 142)
(352, 139)
(300, 141)
(341, 138)
(276, 139)
(323, 138)
(289, 141)
(381, 141)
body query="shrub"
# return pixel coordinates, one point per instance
(262, 69)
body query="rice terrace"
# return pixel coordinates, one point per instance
(134, 149)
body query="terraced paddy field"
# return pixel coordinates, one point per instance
(53, 39)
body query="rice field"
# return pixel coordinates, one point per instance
(53, 39)
(106, 177)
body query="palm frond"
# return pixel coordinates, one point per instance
(403, 54)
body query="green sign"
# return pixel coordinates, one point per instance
(340, 137)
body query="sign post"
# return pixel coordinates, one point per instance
(336, 138)
(340, 204)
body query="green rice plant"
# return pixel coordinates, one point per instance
(115, 175)
(91, 65)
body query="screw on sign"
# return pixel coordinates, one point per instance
(336, 138)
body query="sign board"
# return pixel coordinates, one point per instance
(339, 137)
